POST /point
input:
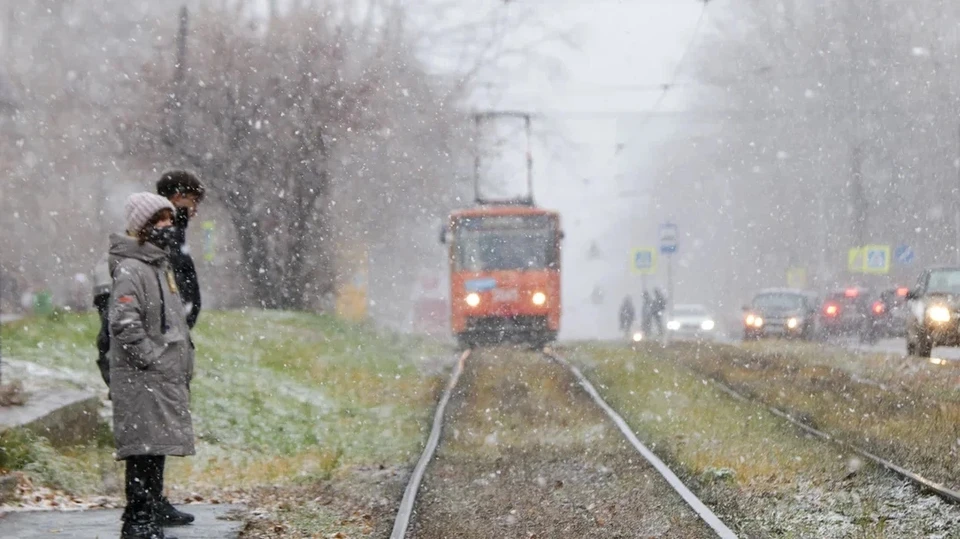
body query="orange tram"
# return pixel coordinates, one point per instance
(504, 274)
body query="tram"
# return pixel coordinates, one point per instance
(504, 261)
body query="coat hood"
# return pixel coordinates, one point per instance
(122, 246)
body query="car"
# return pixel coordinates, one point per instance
(781, 312)
(887, 317)
(845, 313)
(691, 322)
(933, 311)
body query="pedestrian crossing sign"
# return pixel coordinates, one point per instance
(644, 260)
(876, 259)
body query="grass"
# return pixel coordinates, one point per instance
(754, 467)
(278, 398)
(713, 436)
(906, 410)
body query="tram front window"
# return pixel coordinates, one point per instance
(506, 250)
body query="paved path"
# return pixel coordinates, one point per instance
(105, 524)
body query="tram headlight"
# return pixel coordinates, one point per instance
(473, 299)
(539, 298)
(938, 313)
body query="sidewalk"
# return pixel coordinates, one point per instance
(105, 524)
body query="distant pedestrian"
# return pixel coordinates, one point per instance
(151, 364)
(646, 314)
(659, 309)
(627, 315)
(185, 192)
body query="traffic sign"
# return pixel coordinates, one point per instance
(797, 277)
(904, 255)
(668, 238)
(855, 262)
(644, 260)
(876, 259)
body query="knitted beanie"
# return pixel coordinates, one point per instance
(141, 207)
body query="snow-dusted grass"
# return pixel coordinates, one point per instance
(276, 397)
(903, 409)
(779, 481)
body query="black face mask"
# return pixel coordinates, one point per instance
(182, 217)
(163, 238)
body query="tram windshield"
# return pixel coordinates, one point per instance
(510, 242)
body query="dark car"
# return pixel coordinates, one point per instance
(845, 313)
(781, 312)
(933, 311)
(888, 315)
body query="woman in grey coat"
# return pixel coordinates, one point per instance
(151, 364)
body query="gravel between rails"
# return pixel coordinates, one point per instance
(526, 453)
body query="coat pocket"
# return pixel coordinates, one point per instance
(172, 361)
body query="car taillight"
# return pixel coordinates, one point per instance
(878, 308)
(902, 292)
(831, 310)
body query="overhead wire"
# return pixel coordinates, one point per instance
(676, 70)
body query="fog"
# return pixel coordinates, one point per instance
(776, 135)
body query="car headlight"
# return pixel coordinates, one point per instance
(938, 313)
(673, 325)
(757, 322)
(473, 299)
(749, 320)
(539, 298)
(637, 337)
(793, 323)
(707, 325)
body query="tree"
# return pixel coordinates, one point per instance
(273, 119)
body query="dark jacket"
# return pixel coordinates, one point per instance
(183, 270)
(151, 357)
(627, 314)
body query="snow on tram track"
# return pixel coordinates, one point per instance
(405, 510)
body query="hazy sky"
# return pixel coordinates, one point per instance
(621, 45)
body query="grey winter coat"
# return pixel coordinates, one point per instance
(151, 355)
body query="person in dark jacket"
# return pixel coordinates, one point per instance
(185, 192)
(627, 315)
(646, 314)
(151, 364)
(659, 309)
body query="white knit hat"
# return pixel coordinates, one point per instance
(141, 207)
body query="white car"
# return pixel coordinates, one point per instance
(691, 322)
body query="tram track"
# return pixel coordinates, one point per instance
(913, 478)
(518, 465)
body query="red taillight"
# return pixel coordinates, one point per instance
(878, 308)
(831, 310)
(851, 292)
(902, 292)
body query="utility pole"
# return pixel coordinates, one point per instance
(956, 210)
(179, 77)
(858, 197)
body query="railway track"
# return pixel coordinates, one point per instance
(679, 500)
(914, 478)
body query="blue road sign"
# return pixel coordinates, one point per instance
(904, 255)
(668, 238)
(877, 259)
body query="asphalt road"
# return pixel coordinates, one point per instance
(898, 347)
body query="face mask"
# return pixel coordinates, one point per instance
(182, 217)
(162, 237)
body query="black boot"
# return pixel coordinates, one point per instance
(168, 515)
(141, 525)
